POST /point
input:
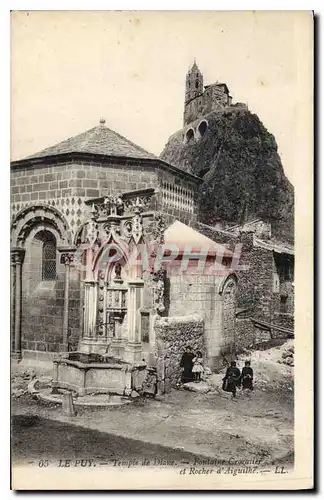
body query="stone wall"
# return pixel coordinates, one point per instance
(284, 319)
(245, 334)
(256, 281)
(214, 98)
(256, 290)
(43, 302)
(172, 335)
(200, 294)
(66, 185)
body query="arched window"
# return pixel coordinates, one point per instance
(49, 258)
(190, 136)
(202, 127)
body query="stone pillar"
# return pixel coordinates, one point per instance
(12, 303)
(133, 351)
(67, 259)
(215, 333)
(17, 256)
(90, 310)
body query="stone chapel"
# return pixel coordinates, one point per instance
(98, 190)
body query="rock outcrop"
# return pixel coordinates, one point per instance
(243, 177)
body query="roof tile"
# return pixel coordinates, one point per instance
(98, 140)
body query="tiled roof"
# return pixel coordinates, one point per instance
(98, 140)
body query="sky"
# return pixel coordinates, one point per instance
(70, 68)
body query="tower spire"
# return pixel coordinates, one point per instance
(194, 82)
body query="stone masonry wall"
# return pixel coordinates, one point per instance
(255, 283)
(172, 335)
(67, 185)
(245, 334)
(198, 293)
(42, 305)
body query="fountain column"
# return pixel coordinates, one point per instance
(67, 259)
(90, 310)
(90, 297)
(133, 351)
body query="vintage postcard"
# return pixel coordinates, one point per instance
(161, 250)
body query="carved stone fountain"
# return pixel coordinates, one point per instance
(121, 298)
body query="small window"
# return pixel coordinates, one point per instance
(49, 260)
(197, 84)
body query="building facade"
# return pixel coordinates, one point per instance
(98, 189)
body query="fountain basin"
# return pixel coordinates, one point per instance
(97, 374)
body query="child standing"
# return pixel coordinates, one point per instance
(198, 368)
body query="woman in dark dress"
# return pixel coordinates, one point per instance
(247, 376)
(187, 363)
(232, 379)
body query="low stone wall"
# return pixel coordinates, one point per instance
(245, 334)
(284, 319)
(172, 335)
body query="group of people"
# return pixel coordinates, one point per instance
(234, 378)
(192, 365)
(192, 369)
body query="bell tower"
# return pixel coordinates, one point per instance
(194, 83)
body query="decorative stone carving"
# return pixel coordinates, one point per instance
(115, 205)
(67, 258)
(158, 291)
(140, 203)
(17, 256)
(126, 229)
(137, 228)
(41, 215)
(91, 232)
(117, 270)
(101, 295)
(230, 287)
(156, 228)
(109, 206)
